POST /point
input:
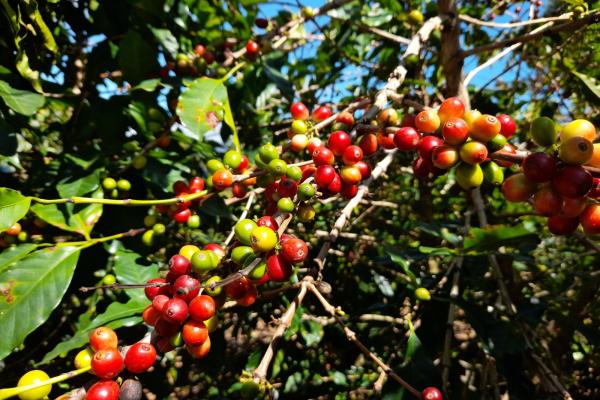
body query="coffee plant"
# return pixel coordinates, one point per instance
(271, 199)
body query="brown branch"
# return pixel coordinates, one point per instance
(475, 21)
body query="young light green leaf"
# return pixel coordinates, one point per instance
(21, 101)
(31, 289)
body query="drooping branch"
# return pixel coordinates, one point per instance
(508, 25)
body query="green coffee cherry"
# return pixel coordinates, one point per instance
(543, 131)
(159, 229)
(469, 176)
(123, 185)
(214, 165)
(285, 205)
(422, 294)
(109, 184)
(294, 173)
(277, 167)
(493, 173)
(232, 159)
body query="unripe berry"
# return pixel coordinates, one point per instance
(485, 128)
(427, 121)
(576, 150)
(473, 152)
(517, 188)
(444, 156)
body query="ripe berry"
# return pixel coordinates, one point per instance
(452, 107)
(278, 268)
(590, 219)
(407, 139)
(368, 143)
(338, 141)
(107, 363)
(103, 338)
(159, 302)
(103, 390)
(252, 48)
(222, 179)
(508, 127)
(573, 207)
(350, 175)
(287, 188)
(242, 167)
(313, 144)
(294, 250)
(386, 140)
(263, 239)
(199, 50)
(165, 328)
(546, 201)
(140, 357)
(31, 377)
(431, 393)
(349, 191)
(200, 351)
(182, 216)
(485, 128)
(237, 288)
(269, 222)
(239, 190)
(508, 149)
(352, 155)
(323, 156)
(186, 288)
(194, 333)
(560, 225)
(517, 188)
(539, 167)
(422, 168)
(444, 156)
(299, 111)
(324, 175)
(576, 150)
(345, 118)
(178, 265)
(365, 170)
(455, 131)
(427, 144)
(321, 113)
(336, 184)
(150, 315)
(262, 23)
(572, 182)
(202, 308)
(14, 230)
(175, 311)
(473, 152)
(249, 298)
(427, 121)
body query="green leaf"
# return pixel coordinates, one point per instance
(167, 40)
(203, 105)
(132, 268)
(14, 254)
(31, 289)
(21, 101)
(148, 85)
(136, 57)
(403, 263)
(312, 332)
(116, 316)
(280, 80)
(494, 236)
(13, 207)
(588, 81)
(79, 187)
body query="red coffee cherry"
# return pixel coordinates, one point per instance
(427, 144)
(269, 221)
(452, 107)
(345, 118)
(349, 191)
(200, 351)
(427, 121)
(560, 225)
(159, 302)
(152, 292)
(249, 298)
(194, 333)
(103, 338)
(252, 48)
(186, 288)
(365, 170)
(539, 167)
(150, 315)
(180, 187)
(455, 131)
(338, 141)
(508, 127)
(299, 111)
(237, 288)
(323, 156)
(239, 190)
(294, 250)
(517, 188)
(140, 357)
(182, 216)
(278, 269)
(202, 308)
(590, 219)
(324, 175)
(287, 188)
(336, 184)
(431, 393)
(386, 140)
(178, 265)
(407, 139)
(103, 390)
(175, 311)
(368, 143)
(352, 155)
(222, 179)
(107, 363)
(165, 328)
(572, 182)
(321, 113)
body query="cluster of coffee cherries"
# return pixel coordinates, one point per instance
(556, 180)
(12, 235)
(179, 313)
(116, 188)
(222, 173)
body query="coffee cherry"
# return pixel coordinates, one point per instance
(243, 230)
(175, 311)
(278, 268)
(572, 182)
(546, 201)
(294, 173)
(559, 225)
(306, 190)
(252, 48)
(298, 142)
(497, 143)
(470, 117)
(444, 156)
(103, 338)
(204, 261)
(31, 377)
(212, 291)
(262, 23)
(268, 152)
(349, 191)
(159, 302)
(294, 250)
(517, 188)
(258, 274)
(131, 390)
(573, 207)
(239, 190)
(186, 288)
(159, 229)
(165, 328)
(287, 188)
(336, 184)
(222, 179)
(338, 142)
(323, 156)
(578, 128)
(194, 333)
(103, 390)
(200, 351)
(431, 393)
(469, 176)
(299, 127)
(239, 254)
(324, 175)
(365, 170)
(269, 222)
(299, 111)
(350, 175)
(202, 308)
(352, 155)
(179, 265)
(313, 144)
(83, 359)
(422, 294)
(427, 121)
(345, 118)
(188, 251)
(576, 150)
(140, 357)
(507, 125)
(492, 173)
(590, 219)
(321, 113)
(407, 139)
(109, 184)
(452, 107)
(213, 166)
(543, 131)
(485, 127)
(150, 315)
(237, 288)
(232, 159)
(182, 216)
(473, 152)
(107, 363)
(455, 131)
(386, 140)
(368, 143)
(427, 144)
(306, 212)
(263, 239)
(285, 205)
(539, 167)
(123, 185)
